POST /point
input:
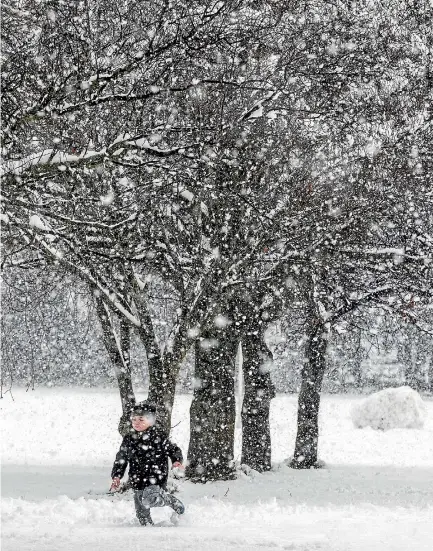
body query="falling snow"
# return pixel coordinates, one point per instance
(225, 207)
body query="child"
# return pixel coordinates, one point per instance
(147, 449)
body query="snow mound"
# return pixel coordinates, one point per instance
(392, 408)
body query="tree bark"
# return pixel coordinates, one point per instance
(259, 391)
(162, 371)
(306, 446)
(162, 387)
(430, 373)
(357, 362)
(117, 347)
(212, 413)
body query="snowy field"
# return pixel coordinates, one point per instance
(58, 446)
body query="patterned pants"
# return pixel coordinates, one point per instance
(153, 496)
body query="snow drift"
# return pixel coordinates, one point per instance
(392, 408)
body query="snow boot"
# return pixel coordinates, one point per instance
(172, 501)
(142, 512)
(144, 517)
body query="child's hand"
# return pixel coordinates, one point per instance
(178, 469)
(115, 484)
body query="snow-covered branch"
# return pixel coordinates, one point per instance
(52, 158)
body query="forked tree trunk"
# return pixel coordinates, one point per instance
(212, 413)
(259, 391)
(117, 346)
(162, 387)
(306, 446)
(162, 374)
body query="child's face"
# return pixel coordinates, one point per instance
(141, 423)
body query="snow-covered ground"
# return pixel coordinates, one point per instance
(58, 446)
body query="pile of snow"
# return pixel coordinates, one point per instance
(392, 408)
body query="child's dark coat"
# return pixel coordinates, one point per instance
(147, 454)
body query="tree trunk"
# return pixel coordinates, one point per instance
(118, 351)
(162, 387)
(305, 456)
(430, 373)
(259, 390)
(357, 362)
(240, 389)
(210, 452)
(409, 371)
(162, 373)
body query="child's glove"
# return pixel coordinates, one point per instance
(178, 469)
(115, 484)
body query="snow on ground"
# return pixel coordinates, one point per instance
(392, 408)
(58, 446)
